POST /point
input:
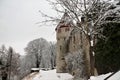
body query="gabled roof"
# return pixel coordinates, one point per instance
(64, 22)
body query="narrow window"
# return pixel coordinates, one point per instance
(60, 47)
(62, 58)
(74, 39)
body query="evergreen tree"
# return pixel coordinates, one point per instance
(107, 50)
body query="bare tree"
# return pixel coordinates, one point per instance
(3, 55)
(10, 62)
(75, 64)
(10, 54)
(87, 16)
(42, 53)
(52, 51)
(36, 48)
(26, 63)
(3, 62)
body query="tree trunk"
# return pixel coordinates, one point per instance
(92, 58)
(37, 62)
(86, 55)
(10, 61)
(92, 61)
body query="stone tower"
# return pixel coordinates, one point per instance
(63, 30)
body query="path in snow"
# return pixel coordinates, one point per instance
(52, 75)
(49, 75)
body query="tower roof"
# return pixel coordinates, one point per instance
(64, 22)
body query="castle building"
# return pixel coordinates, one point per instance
(69, 40)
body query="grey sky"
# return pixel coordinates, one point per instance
(17, 22)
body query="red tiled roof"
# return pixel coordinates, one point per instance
(62, 26)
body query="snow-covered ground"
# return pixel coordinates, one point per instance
(52, 75)
(49, 75)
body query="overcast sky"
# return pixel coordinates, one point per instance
(18, 20)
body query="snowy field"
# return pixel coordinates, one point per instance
(52, 75)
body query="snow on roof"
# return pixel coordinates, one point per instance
(101, 77)
(35, 68)
(64, 22)
(116, 76)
